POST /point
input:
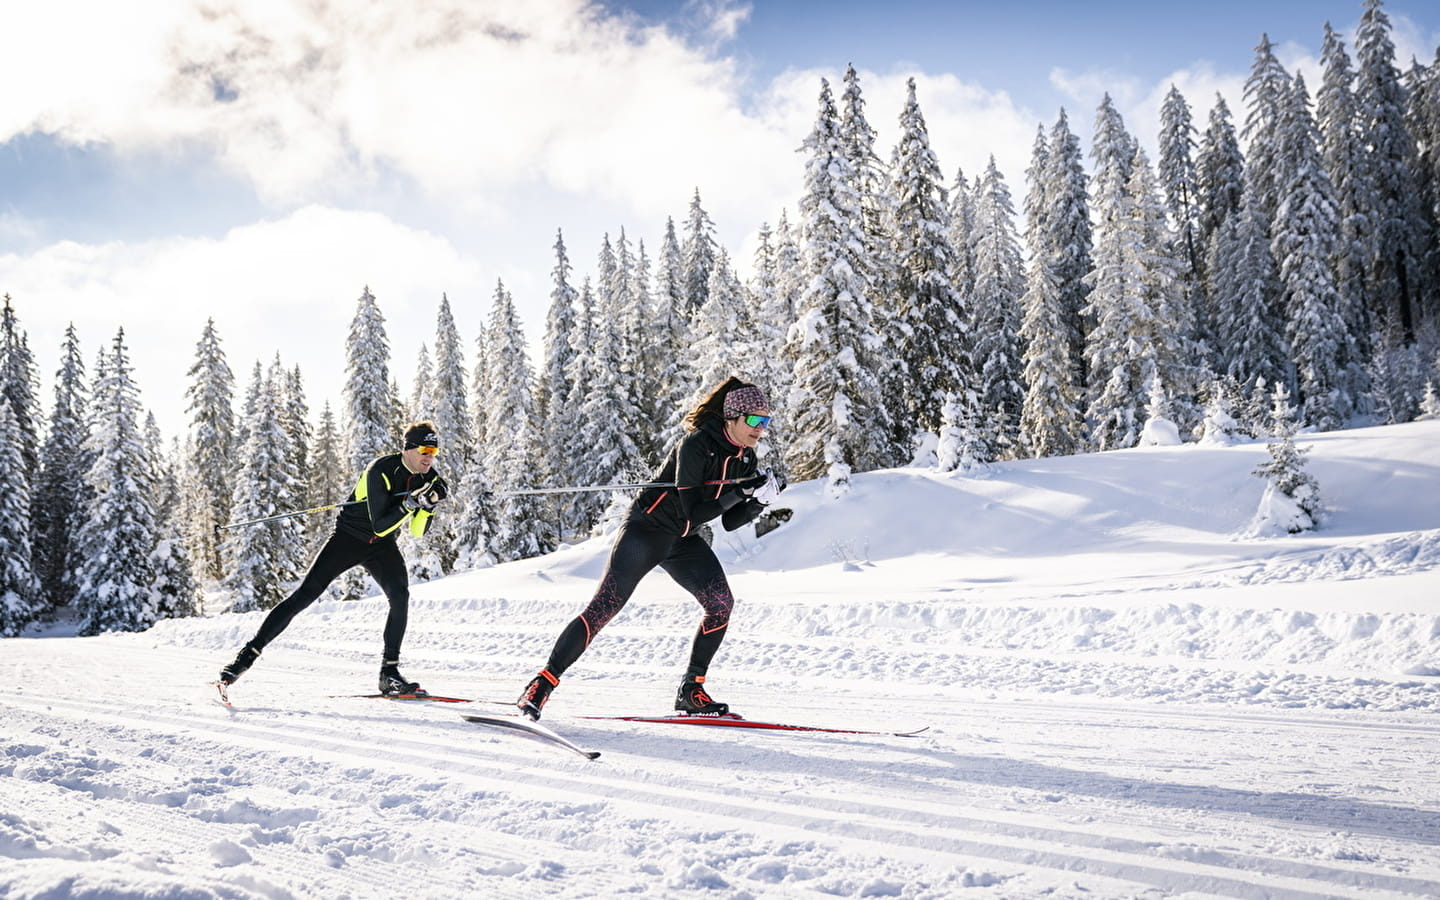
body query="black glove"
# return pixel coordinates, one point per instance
(420, 498)
(438, 489)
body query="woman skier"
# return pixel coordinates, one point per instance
(713, 470)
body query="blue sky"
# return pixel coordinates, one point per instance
(261, 163)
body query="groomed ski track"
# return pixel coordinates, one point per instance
(325, 797)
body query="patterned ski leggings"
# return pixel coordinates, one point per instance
(638, 549)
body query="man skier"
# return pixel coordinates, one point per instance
(399, 489)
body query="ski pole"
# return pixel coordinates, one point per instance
(577, 489)
(288, 515)
(298, 512)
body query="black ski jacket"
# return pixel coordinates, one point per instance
(382, 487)
(703, 455)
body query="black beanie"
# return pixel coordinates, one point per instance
(421, 435)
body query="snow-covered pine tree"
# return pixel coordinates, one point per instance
(1307, 224)
(1113, 150)
(449, 400)
(212, 463)
(959, 439)
(1265, 91)
(961, 233)
(370, 403)
(327, 481)
(449, 409)
(929, 331)
(1179, 181)
(1220, 169)
(470, 545)
(697, 254)
(767, 337)
(1159, 429)
(62, 481)
(1050, 422)
(998, 358)
(651, 366)
(472, 512)
(1066, 196)
(626, 299)
(260, 562)
(834, 399)
(1245, 290)
(1341, 148)
(19, 588)
(20, 388)
(424, 558)
(878, 265)
(607, 413)
(788, 272)
(522, 527)
(1394, 374)
(1220, 426)
(580, 512)
(1392, 202)
(672, 338)
(247, 406)
(553, 385)
(1138, 333)
(1291, 502)
(1423, 117)
(723, 337)
(118, 527)
(420, 390)
(155, 465)
(174, 591)
(294, 415)
(1429, 404)
(857, 139)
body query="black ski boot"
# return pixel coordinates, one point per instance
(692, 699)
(535, 695)
(393, 683)
(243, 660)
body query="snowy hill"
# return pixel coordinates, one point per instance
(1124, 696)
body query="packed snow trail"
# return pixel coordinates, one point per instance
(1123, 699)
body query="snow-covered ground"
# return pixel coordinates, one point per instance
(1124, 699)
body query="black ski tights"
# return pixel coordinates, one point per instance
(341, 552)
(638, 549)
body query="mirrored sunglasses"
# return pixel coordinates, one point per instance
(757, 421)
(427, 451)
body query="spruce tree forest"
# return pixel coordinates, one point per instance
(901, 314)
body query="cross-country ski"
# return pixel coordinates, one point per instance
(423, 698)
(520, 725)
(735, 721)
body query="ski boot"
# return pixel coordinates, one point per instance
(692, 699)
(535, 695)
(392, 683)
(243, 660)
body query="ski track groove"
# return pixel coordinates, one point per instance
(879, 826)
(259, 818)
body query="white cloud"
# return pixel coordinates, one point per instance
(287, 286)
(464, 98)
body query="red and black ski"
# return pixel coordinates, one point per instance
(733, 721)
